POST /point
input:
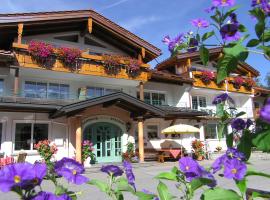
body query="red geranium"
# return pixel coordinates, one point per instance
(207, 76)
(40, 51)
(68, 55)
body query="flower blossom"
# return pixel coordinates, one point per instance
(222, 98)
(112, 170)
(173, 42)
(50, 196)
(223, 3)
(200, 23)
(265, 112)
(129, 173)
(71, 170)
(238, 124)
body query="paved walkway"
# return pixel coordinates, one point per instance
(144, 179)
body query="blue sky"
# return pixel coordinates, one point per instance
(149, 19)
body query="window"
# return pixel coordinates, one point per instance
(198, 102)
(35, 89)
(28, 134)
(93, 92)
(211, 131)
(1, 86)
(152, 131)
(154, 98)
(58, 91)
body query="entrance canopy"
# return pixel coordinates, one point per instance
(136, 107)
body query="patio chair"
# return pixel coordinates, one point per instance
(21, 157)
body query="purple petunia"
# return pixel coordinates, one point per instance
(40, 171)
(16, 175)
(238, 124)
(217, 165)
(71, 170)
(263, 4)
(129, 173)
(193, 45)
(50, 196)
(229, 32)
(222, 98)
(234, 168)
(223, 3)
(265, 112)
(112, 170)
(210, 9)
(234, 153)
(200, 23)
(173, 42)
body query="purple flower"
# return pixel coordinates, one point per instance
(229, 32)
(222, 98)
(71, 170)
(129, 173)
(200, 23)
(234, 168)
(223, 3)
(47, 196)
(265, 112)
(190, 168)
(256, 3)
(209, 176)
(238, 124)
(233, 20)
(193, 45)
(16, 175)
(210, 9)
(112, 170)
(219, 162)
(172, 43)
(234, 153)
(266, 6)
(39, 171)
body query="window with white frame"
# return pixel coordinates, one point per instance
(93, 92)
(152, 131)
(58, 91)
(1, 87)
(198, 102)
(154, 98)
(46, 90)
(28, 134)
(211, 131)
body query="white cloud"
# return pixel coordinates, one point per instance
(138, 22)
(113, 5)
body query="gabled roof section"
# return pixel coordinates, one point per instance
(66, 20)
(195, 56)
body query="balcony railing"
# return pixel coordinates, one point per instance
(89, 65)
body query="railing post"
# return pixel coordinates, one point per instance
(20, 32)
(141, 91)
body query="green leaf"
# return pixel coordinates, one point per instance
(225, 65)
(238, 51)
(262, 141)
(99, 184)
(60, 190)
(258, 13)
(253, 43)
(175, 170)
(199, 182)
(227, 14)
(198, 37)
(259, 28)
(242, 28)
(143, 196)
(122, 185)
(245, 144)
(229, 140)
(251, 172)
(221, 128)
(257, 194)
(167, 176)
(266, 36)
(204, 54)
(163, 192)
(242, 185)
(220, 194)
(207, 35)
(240, 114)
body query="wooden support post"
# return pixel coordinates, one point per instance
(20, 32)
(16, 83)
(143, 52)
(78, 139)
(140, 139)
(90, 25)
(141, 91)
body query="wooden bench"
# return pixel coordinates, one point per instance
(150, 154)
(162, 156)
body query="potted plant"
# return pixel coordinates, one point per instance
(207, 77)
(88, 157)
(249, 83)
(41, 52)
(238, 82)
(69, 57)
(112, 64)
(130, 155)
(197, 147)
(133, 66)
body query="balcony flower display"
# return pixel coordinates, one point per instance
(198, 149)
(133, 66)
(249, 83)
(69, 56)
(41, 52)
(238, 82)
(112, 64)
(207, 77)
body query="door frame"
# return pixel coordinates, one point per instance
(106, 119)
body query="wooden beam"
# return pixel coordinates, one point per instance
(20, 32)
(141, 91)
(141, 140)
(143, 52)
(78, 139)
(90, 25)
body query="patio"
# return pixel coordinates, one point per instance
(146, 172)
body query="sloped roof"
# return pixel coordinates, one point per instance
(58, 19)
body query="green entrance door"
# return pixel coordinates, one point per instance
(106, 138)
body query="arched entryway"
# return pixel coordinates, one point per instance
(107, 140)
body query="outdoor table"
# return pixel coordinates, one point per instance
(168, 153)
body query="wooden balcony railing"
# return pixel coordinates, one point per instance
(212, 85)
(89, 65)
(242, 89)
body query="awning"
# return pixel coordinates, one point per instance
(180, 129)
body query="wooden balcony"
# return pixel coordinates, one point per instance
(242, 89)
(89, 65)
(212, 85)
